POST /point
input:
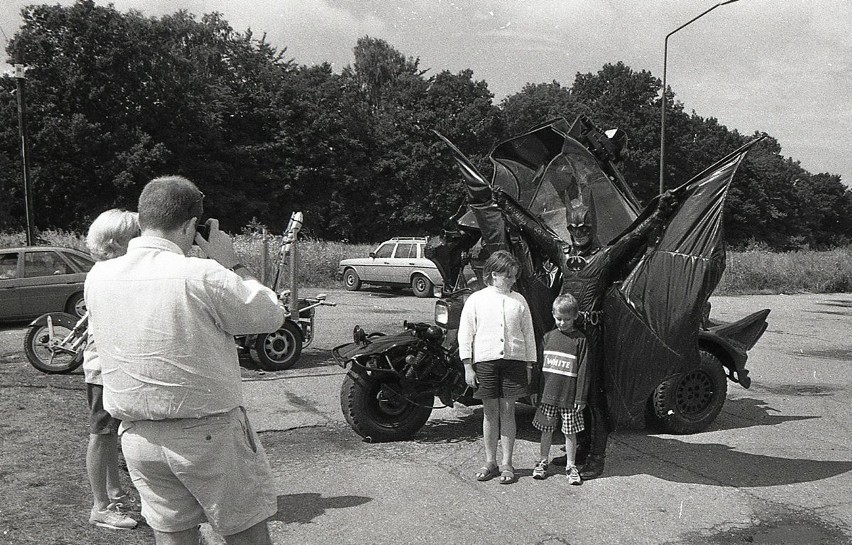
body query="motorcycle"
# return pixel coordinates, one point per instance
(281, 349)
(54, 343)
(392, 380)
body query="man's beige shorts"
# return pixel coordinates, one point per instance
(189, 471)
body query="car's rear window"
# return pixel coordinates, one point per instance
(82, 262)
(405, 250)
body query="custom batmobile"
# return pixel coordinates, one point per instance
(665, 360)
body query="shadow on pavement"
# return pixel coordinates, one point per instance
(303, 508)
(713, 463)
(747, 412)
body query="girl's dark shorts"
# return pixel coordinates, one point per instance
(501, 378)
(100, 421)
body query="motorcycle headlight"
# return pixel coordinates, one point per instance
(442, 314)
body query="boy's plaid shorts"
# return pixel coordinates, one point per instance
(547, 418)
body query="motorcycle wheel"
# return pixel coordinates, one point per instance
(377, 416)
(281, 349)
(689, 402)
(38, 352)
(421, 286)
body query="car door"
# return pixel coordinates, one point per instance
(403, 262)
(48, 281)
(380, 267)
(10, 298)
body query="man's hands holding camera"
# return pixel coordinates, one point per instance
(216, 245)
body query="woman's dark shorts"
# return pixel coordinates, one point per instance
(501, 378)
(100, 421)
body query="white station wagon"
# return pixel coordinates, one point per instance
(396, 262)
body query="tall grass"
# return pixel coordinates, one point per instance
(317, 259)
(761, 271)
(757, 271)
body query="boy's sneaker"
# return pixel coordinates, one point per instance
(573, 475)
(108, 518)
(540, 471)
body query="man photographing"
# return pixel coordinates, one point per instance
(164, 324)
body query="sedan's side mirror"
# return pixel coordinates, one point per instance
(373, 255)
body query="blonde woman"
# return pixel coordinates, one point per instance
(108, 237)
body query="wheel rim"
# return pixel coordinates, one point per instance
(392, 405)
(350, 279)
(279, 346)
(80, 308)
(420, 284)
(694, 394)
(42, 349)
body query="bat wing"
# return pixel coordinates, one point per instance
(651, 320)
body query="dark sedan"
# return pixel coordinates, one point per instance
(39, 279)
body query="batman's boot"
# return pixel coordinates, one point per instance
(583, 447)
(594, 465)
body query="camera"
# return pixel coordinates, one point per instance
(203, 229)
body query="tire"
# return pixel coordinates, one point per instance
(351, 280)
(76, 305)
(688, 403)
(421, 286)
(281, 349)
(380, 420)
(39, 354)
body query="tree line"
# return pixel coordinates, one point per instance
(114, 99)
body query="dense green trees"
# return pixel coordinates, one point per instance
(117, 98)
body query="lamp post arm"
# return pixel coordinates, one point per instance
(663, 109)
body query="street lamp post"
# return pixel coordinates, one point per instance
(25, 150)
(663, 110)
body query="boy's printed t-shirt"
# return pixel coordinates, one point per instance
(563, 356)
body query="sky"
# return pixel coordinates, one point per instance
(783, 67)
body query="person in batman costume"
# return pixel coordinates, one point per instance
(588, 270)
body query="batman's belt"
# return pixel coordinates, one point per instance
(592, 318)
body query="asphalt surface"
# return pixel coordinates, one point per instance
(773, 468)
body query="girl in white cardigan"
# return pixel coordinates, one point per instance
(496, 341)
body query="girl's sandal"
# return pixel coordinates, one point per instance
(487, 472)
(507, 474)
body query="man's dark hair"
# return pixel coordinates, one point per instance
(168, 201)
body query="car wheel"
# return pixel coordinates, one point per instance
(421, 286)
(689, 402)
(281, 349)
(351, 280)
(76, 305)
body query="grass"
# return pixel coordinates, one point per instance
(752, 271)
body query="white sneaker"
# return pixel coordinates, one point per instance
(107, 518)
(540, 471)
(573, 475)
